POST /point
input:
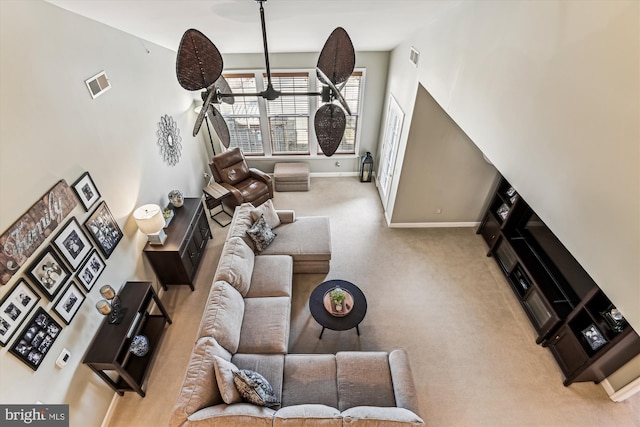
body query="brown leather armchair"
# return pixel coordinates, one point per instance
(245, 184)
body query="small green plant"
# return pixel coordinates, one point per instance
(337, 296)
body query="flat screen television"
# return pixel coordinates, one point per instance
(559, 262)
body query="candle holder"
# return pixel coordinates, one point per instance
(112, 307)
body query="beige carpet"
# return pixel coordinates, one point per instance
(430, 291)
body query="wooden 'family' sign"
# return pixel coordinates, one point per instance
(26, 235)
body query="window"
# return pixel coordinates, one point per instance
(289, 115)
(243, 116)
(284, 126)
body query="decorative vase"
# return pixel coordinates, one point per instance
(176, 198)
(139, 345)
(338, 307)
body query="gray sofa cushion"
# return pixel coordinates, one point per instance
(270, 366)
(305, 239)
(310, 379)
(199, 388)
(261, 234)
(308, 415)
(265, 326)
(364, 379)
(236, 415)
(223, 315)
(241, 222)
(375, 416)
(236, 265)
(224, 378)
(402, 378)
(270, 214)
(272, 276)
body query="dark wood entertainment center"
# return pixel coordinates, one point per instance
(570, 313)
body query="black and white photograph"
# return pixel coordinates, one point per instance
(104, 229)
(69, 303)
(594, 337)
(73, 244)
(86, 190)
(36, 339)
(91, 270)
(14, 308)
(49, 273)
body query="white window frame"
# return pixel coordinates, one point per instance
(314, 103)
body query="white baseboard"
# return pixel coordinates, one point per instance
(112, 407)
(332, 174)
(625, 392)
(432, 224)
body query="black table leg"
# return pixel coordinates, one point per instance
(358, 329)
(321, 332)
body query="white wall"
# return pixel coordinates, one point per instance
(51, 129)
(549, 92)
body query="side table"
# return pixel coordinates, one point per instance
(214, 193)
(109, 350)
(326, 319)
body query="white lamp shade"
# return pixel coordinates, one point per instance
(149, 218)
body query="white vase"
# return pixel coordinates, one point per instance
(338, 307)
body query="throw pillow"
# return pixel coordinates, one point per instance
(224, 377)
(270, 214)
(254, 388)
(261, 234)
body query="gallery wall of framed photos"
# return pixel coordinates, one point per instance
(51, 260)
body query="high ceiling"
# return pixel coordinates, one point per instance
(292, 25)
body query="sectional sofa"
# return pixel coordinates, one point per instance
(245, 326)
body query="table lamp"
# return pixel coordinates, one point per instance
(151, 222)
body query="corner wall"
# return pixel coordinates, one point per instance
(51, 129)
(549, 92)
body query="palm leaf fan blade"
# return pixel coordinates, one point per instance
(220, 126)
(330, 124)
(338, 57)
(199, 63)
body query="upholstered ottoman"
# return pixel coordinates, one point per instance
(291, 176)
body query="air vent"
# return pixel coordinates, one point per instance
(98, 84)
(413, 57)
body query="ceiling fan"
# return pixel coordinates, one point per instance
(199, 66)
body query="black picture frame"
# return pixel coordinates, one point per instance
(86, 191)
(48, 273)
(14, 308)
(594, 337)
(69, 303)
(104, 229)
(36, 339)
(89, 272)
(73, 243)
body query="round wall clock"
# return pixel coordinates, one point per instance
(169, 140)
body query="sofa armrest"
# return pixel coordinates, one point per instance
(235, 193)
(264, 177)
(403, 385)
(286, 216)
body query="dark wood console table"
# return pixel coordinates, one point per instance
(109, 350)
(176, 262)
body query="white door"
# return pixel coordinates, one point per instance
(392, 130)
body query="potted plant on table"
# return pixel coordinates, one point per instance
(337, 296)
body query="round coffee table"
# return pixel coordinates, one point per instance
(326, 319)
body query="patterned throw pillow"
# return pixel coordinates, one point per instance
(261, 234)
(254, 388)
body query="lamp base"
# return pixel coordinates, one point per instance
(116, 316)
(157, 238)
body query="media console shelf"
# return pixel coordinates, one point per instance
(570, 313)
